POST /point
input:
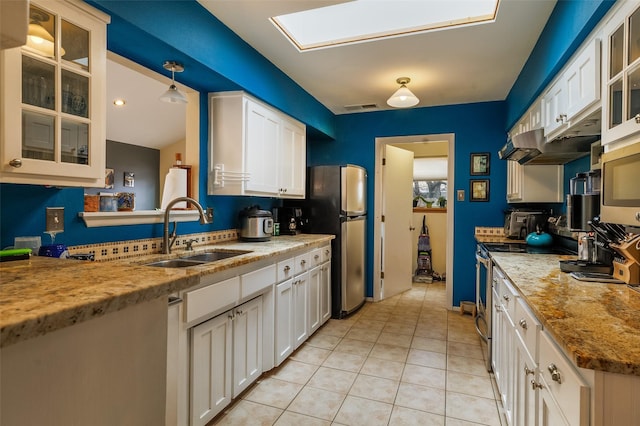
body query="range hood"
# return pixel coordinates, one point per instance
(532, 148)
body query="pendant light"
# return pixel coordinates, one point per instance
(38, 38)
(402, 98)
(173, 95)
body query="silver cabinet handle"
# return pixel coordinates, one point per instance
(302, 262)
(506, 297)
(317, 256)
(528, 371)
(327, 251)
(555, 374)
(287, 268)
(523, 323)
(535, 385)
(16, 162)
(638, 216)
(637, 117)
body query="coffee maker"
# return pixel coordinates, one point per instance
(290, 219)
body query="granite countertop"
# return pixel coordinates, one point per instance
(597, 324)
(44, 294)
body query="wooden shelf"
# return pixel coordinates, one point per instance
(429, 209)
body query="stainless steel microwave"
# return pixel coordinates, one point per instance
(620, 193)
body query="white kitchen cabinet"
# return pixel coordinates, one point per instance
(58, 96)
(621, 74)
(534, 183)
(211, 363)
(315, 295)
(284, 320)
(300, 309)
(254, 149)
(504, 362)
(576, 92)
(226, 357)
(325, 292)
(247, 344)
(527, 329)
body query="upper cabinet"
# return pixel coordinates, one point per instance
(254, 149)
(621, 71)
(53, 98)
(575, 94)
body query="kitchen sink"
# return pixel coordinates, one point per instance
(198, 259)
(212, 256)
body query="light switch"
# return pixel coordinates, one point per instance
(55, 219)
(460, 194)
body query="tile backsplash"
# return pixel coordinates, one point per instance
(132, 248)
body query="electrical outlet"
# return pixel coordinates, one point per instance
(55, 219)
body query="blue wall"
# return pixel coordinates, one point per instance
(150, 32)
(356, 142)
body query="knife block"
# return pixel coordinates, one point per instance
(626, 270)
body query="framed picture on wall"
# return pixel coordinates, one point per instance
(479, 190)
(480, 163)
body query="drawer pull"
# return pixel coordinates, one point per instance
(637, 117)
(287, 268)
(316, 257)
(535, 385)
(528, 371)
(506, 297)
(327, 252)
(523, 323)
(555, 374)
(303, 262)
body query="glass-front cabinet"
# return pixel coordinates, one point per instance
(621, 71)
(53, 98)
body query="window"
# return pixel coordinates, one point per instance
(430, 182)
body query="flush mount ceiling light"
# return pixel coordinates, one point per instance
(173, 95)
(403, 98)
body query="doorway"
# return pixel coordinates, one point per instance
(379, 193)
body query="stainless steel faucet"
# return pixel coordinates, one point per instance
(168, 242)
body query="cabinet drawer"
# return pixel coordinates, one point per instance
(256, 281)
(301, 263)
(506, 296)
(285, 270)
(568, 389)
(211, 299)
(527, 327)
(326, 253)
(315, 256)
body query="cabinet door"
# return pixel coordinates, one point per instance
(549, 413)
(314, 300)
(292, 160)
(525, 395)
(261, 143)
(325, 292)
(553, 104)
(300, 308)
(284, 320)
(514, 181)
(247, 344)
(583, 80)
(52, 108)
(211, 344)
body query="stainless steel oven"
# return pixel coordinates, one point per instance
(483, 300)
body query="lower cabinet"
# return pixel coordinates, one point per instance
(537, 383)
(315, 295)
(226, 357)
(284, 321)
(325, 291)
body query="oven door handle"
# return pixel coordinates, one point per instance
(482, 336)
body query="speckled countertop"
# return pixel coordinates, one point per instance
(597, 324)
(43, 294)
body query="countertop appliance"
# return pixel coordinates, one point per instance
(620, 190)
(520, 223)
(255, 224)
(291, 219)
(531, 147)
(337, 205)
(583, 200)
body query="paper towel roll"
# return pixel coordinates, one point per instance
(175, 185)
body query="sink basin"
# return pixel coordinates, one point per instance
(212, 256)
(175, 263)
(198, 259)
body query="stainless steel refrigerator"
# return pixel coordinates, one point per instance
(337, 205)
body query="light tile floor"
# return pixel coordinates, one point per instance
(404, 361)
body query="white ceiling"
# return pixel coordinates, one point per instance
(456, 66)
(469, 64)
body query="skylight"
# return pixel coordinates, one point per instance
(366, 20)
